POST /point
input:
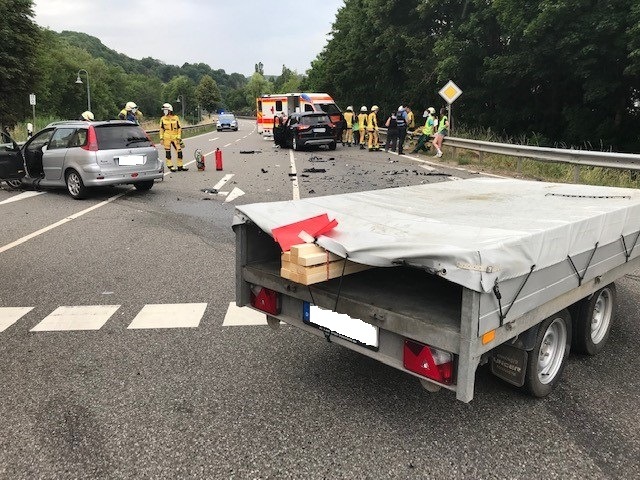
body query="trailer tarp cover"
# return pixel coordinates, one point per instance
(471, 232)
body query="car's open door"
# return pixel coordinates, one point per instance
(11, 159)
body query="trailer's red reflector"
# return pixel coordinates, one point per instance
(266, 300)
(428, 361)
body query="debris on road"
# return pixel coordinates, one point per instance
(250, 151)
(314, 170)
(210, 190)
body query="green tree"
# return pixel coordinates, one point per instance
(19, 39)
(180, 93)
(257, 86)
(208, 93)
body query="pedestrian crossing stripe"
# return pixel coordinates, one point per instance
(84, 317)
(177, 315)
(152, 316)
(10, 315)
(242, 316)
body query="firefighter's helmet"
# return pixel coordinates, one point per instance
(130, 106)
(374, 108)
(363, 108)
(167, 106)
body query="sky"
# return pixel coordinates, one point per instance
(231, 35)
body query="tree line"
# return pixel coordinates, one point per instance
(546, 72)
(48, 64)
(551, 72)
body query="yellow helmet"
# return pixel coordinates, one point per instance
(374, 108)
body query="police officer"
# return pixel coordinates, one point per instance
(171, 135)
(401, 121)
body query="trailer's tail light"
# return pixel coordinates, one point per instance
(428, 361)
(266, 300)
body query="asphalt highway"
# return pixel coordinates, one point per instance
(121, 355)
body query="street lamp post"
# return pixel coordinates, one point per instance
(182, 103)
(79, 80)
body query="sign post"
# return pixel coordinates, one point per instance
(32, 102)
(450, 92)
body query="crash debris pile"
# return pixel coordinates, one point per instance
(308, 263)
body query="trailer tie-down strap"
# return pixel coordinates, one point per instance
(581, 277)
(496, 292)
(335, 308)
(627, 253)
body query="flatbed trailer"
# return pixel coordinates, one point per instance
(502, 271)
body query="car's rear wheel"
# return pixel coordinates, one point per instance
(143, 186)
(75, 185)
(332, 146)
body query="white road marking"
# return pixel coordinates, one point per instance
(238, 140)
(235, 193)
(171, 315)
(294, 182)
(223, 180)
(61, 222)
(85, 317)
(243, 316)
(213, 139)
(21, 196)
(10, 315)
(227, 145)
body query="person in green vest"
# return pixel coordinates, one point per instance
(427, 132)
(443, 131)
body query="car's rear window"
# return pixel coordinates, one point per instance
(112, 137)
(330, 108)
(314, 119)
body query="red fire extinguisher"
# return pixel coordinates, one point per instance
(218, 159)
(199, 160)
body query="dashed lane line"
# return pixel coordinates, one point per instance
(294, 176)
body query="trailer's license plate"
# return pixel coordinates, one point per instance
(319, 130)
(341, 325)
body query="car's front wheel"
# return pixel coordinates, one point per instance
(144, 186)
(15, 184)
(75, 185)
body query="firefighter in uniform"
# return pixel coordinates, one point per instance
(130, 112)
(171, 134)
(362, 123)
(372, 129)
(347, 136)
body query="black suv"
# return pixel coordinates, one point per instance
(308, 129)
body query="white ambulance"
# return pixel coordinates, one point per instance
(272, 105)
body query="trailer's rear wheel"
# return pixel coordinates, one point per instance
(593, 319)
(549, 356)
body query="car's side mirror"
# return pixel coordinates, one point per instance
(44, 148)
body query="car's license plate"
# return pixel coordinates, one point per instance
(341, 325)
(319, 130)
(131, 160)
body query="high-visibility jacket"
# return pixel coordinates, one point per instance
(131, 116)
(362, 120)
(429, 126)
(411, 122)
(170, 128)
(372, 122)
(348, 118)
(442, 127)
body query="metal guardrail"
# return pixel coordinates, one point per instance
(577, 158)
